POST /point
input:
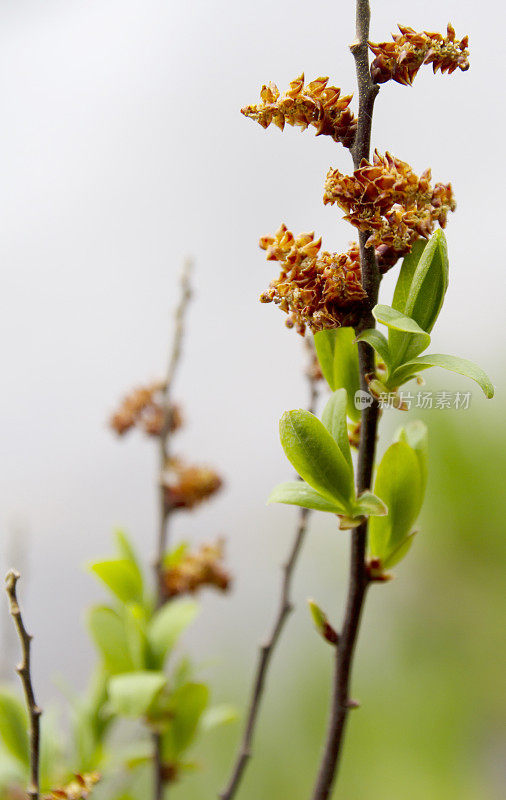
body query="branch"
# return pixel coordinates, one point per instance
(24, 673)
(267, 649)
(174, 358)
(165, 508)
(358, 579)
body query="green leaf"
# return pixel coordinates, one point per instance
(108, 631)
(398, 553)
(121, 577)
(126, 550)
(298, 493)
(132, 694)
(174, 557)
(405, 279)
(411, 339)
(316, 457)
(338, 356)
(218, 715)
(334, 419)
(135, 622)
(399, 321)
(185, 708)
(420, 292)
(455, 364)
(398, 483)
(377, 341)
(14, 727)
(368, 505)
(167, 625)
(429, 283)
(416, 435)
(404, 373)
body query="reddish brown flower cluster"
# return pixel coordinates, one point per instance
(191, 571)
(188, 486)
(318, 290)
(79, 789)
(315, 104)
(143, 408)
(388, 199)
(401, 59)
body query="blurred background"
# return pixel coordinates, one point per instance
(123, 150)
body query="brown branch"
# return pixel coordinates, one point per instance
(165, 509)
(24, 672)
(164, 441)
(284, 609)
(358, 579)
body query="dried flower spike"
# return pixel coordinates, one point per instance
(143, 408)
(401, 59)
(188, 486)
(79, 789)
(317, 290)
(313, 104)
(388, 199)
(187, 572)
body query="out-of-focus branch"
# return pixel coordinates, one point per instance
(175, 355)
(165, 508)
(24, 672)
(284, 609)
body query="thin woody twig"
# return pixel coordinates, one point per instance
(267, 649)
(164, 441)
(24, 672)
(358, 578)
(165, 509)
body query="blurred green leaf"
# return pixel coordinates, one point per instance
(316, 457)
(398, 553)
(176, 555)
(399, 484)
(14, 726)
(298, 493)
(185, 708)
(135, 622)
(108, 631)
(126, 550)
(338, 356)
(334, 419)
(167, 625)
(218, 715)
(121, 577)
(132, 694)
(321, 622)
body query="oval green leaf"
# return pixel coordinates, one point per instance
(338, 356)
(298, 493)
(334, 419)
(398, 484)
(316, 457)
